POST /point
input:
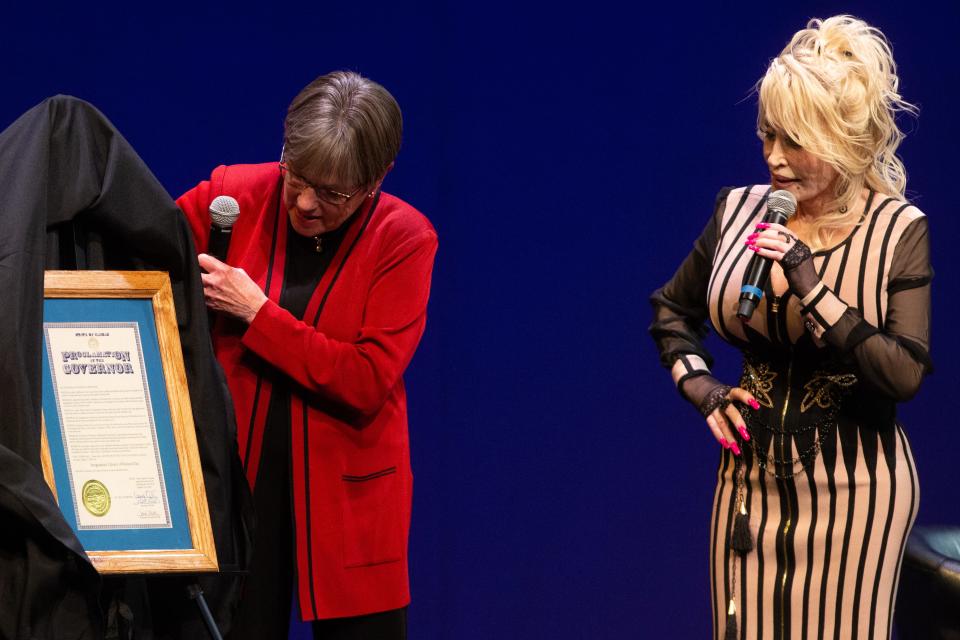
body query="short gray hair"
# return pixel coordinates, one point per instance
(342, 127)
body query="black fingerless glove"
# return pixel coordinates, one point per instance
(797, 265)
(706, 393)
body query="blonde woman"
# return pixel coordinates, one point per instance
(817, 488)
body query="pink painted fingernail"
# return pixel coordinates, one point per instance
(754, 404)
(724, 443)
(754, 247)
(763, 225)
(752, 236)
(743, 432)
(735, 449)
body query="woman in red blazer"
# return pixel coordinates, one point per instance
(320, 306)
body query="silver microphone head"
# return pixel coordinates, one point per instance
(783, 202)
(224, 211)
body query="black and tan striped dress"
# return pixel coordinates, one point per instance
(827, 482)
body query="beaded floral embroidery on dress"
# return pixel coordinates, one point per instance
(758, 380)
(825, 390)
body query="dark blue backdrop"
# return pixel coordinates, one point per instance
(568, 156)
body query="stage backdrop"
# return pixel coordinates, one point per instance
(568, 156)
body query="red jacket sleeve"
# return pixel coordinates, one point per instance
(358, 374)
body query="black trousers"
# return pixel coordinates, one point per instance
(264, 610)
(387, 625)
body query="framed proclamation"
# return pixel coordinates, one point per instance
(119, 446)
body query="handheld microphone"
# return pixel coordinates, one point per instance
(781, 205)
(224, 212)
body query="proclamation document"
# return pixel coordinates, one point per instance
(107, 425)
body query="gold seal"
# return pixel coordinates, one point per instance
(96, 498)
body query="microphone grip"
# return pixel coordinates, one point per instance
(752, 290)
(219, 242)
(758, 271)
(217, 247)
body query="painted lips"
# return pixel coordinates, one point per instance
(781, 181)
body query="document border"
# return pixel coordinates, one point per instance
(153, 285)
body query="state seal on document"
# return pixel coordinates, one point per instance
(96, 498)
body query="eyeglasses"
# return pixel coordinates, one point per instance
(299, 183)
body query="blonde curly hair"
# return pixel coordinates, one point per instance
(834, 90)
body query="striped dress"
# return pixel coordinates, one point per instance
(827, 486)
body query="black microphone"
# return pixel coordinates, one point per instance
(224, 211)
(780, 206)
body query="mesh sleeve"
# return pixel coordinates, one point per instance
(895, 357)
(680, 307)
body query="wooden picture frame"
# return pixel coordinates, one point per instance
(122, 417)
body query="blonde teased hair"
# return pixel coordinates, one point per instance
(834, 91)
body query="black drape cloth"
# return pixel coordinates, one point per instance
(75, 195)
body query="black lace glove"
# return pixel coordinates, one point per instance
(797, 265)
(779, 243)
(713, 399)
(706, 393)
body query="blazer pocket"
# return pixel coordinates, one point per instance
(372, 527)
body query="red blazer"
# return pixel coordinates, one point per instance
(351, 476)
